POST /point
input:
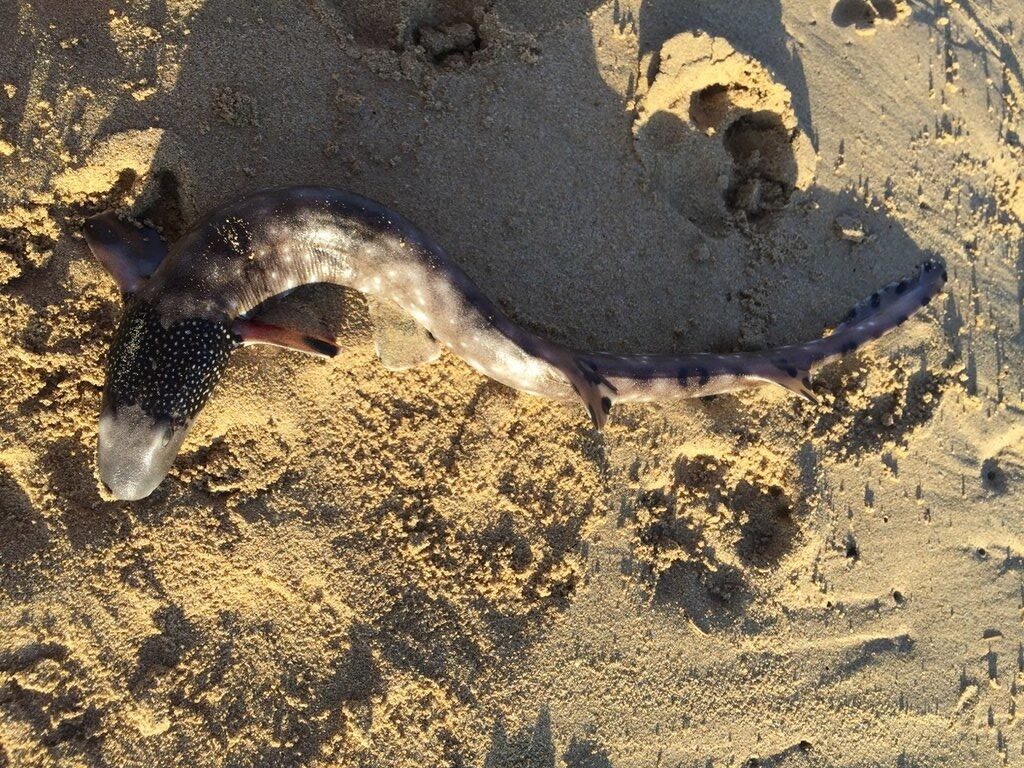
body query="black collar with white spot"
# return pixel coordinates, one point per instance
(168, 372)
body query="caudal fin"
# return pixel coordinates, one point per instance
(887, 308)
(907, 295)
(869, 319)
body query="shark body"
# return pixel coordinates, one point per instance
(188, 307)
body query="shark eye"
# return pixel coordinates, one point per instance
(168, 434)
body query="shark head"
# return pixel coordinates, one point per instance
(158, 378)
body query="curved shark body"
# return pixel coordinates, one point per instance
(188, 308)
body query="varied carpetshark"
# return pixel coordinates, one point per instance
(187, 308)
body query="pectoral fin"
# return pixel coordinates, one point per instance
(255, 332)
(400, 341)
(128, 253)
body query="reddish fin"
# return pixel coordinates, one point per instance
(255, 332)
(128, 253)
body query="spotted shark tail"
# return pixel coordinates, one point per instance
(870, 319)
(601, 380)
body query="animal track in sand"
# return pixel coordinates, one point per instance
(706, 533)
(26, 534)
(717, 134)
(865, 15)
(876, 407)
(450, 45)
(993, 477)
(413, 39)
(1002, 469)
(41, 685)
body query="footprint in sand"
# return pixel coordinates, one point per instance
(710, 533)
(414, 40)
(865, 15)
(718, 135)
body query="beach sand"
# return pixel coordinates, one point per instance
(354, 567)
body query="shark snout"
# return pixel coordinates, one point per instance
(135, 451)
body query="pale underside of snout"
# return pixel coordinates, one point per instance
(136, 451)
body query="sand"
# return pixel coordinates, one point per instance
(355, 567)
